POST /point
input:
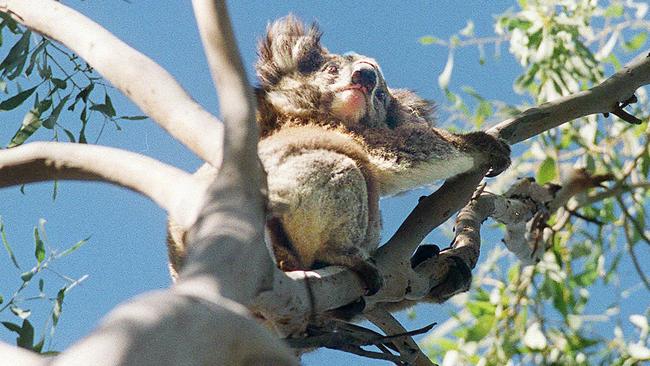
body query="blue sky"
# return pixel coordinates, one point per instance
(126, 254)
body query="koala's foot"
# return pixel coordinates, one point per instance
(459, 279)
(370, 275)
(353, 259)
(424, 252)
(494, 152)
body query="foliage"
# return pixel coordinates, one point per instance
(58, 79)
(17, 303)
(545, 314)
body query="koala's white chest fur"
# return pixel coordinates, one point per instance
(396, 177)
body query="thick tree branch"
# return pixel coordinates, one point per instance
(147, 84)
(227, 243)
(229, 76)
(171, 188)
(168, 328)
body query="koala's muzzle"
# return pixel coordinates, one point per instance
(365, 76)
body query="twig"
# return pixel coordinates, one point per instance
(635, 260)
(407, 347)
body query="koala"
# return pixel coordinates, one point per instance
(334, 138)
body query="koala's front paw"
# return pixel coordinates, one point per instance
(493, 151)
(499, 157)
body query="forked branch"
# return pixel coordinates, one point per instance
(142, 80)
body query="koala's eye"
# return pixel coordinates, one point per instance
(332, 68)
(381, 95)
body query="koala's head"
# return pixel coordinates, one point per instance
(301, 80)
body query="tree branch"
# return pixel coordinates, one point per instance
(44, 161)
(603, 98)
(143, 81)
(227, 242)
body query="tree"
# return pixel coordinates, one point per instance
(536, 203)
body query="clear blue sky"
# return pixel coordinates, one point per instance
(126, 254)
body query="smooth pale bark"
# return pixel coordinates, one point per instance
(228, 264)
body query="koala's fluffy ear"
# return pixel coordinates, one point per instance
(408, 107)
(287, 48)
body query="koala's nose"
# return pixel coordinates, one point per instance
(365, 76)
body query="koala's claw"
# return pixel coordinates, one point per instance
(493, 152)
(369, 275)
(499, 157)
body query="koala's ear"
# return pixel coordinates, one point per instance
(287, 48)
(408, 107)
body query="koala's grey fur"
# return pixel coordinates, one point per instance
(333, 139)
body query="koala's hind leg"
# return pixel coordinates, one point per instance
(327, 204)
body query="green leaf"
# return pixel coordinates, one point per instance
(588, 277)
(26, 337)
(483, 112)
(611, 272)
(21, 313)
(84, 120)
(106, 108)
(27, 276)
(480, 308)
(12, 327)
(31, 123)
(9, 22)
(58, 306)
(109, 105)
(84, 93)
(60, 84)
(41, 285)
(13, 64)
(78, 245)
(39, 251)
(559, 298)
(35, 53)
(16, 100)
(547, 171)
(428, 40)
(38, 347)
(482, 327)
(636, 42)
(50, 121)
(70, 135)
(7, 246)
(614, 11)
(103, 109)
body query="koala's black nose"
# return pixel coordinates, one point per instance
(366, 77)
